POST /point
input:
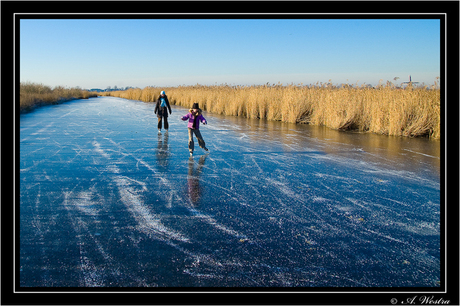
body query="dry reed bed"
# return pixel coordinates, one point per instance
(32, 95)
(383, 110)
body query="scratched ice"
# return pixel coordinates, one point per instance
(107, 202)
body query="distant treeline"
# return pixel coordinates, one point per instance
(384, 109)
(33, 95)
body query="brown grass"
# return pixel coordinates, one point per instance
(33, 95)
(383, 110)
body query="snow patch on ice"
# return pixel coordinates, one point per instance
(148, 223)
(319, 199)
(98, 149)
(83, 203)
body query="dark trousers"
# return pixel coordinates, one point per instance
(191, 143)
(166, 124)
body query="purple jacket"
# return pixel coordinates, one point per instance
(191, 118)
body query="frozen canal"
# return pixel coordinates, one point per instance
(106, 201)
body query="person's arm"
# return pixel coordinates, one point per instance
(169, 106)
(156, 106)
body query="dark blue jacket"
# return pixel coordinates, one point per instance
(162, 111)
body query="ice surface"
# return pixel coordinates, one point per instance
(106, 201)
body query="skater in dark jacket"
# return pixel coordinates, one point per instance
(161, 109)
(194, 118)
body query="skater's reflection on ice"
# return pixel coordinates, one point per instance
(163, 151)
(193, 179)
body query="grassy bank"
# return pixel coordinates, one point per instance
(383, 110)
(33, 95)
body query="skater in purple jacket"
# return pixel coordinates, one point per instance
(194, 118)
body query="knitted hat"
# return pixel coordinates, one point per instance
(195, 106)
(162, 93)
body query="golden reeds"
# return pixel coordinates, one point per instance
(384, 110)
(32, 95)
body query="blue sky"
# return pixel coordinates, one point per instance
(172, 52)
